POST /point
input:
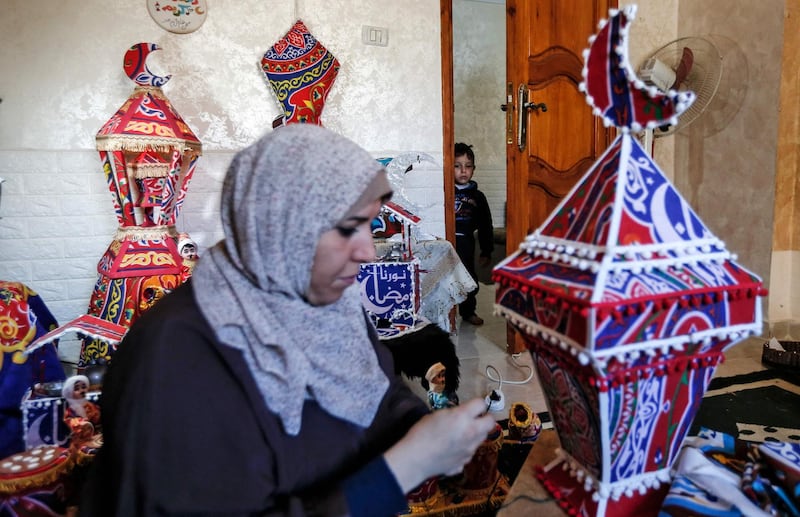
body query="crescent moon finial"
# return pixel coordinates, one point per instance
(135, 65)
(612, 87)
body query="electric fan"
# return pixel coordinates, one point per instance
(713, 67)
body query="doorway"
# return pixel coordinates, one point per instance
(478, 76)
(543, 56)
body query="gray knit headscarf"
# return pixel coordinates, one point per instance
(279, 196)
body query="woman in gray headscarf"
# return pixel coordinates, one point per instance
(259, 387)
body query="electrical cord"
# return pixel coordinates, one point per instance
(495, 401)
(499, 378)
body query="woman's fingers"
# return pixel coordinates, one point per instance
(442, 442)
(469, 428)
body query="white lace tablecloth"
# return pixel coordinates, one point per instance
(444, 281)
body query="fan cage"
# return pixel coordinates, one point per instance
(703, 78)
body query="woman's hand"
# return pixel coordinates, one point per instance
(442, 442)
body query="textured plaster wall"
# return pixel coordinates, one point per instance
(727, 172)
(479, 78)
(656, 24)
(62, 79)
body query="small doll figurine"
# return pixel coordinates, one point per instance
(438, 396)
(187, 247)
(81, 415)
(523, 424)
(188, 251)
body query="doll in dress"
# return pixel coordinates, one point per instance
(81, 415)
(438, 396)
(187, 248)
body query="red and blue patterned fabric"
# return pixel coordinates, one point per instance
(721, 476)
(37, 483)
(301, 71)
(149, 155)
(24, 317)
(626, 301)
(612, 88)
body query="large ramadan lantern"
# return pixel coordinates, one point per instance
(149, 155)
(626, 302)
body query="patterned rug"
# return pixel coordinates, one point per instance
(759, 406)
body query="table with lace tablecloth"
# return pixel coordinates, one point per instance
(444, 281)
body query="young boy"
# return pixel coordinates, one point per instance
(472, 213)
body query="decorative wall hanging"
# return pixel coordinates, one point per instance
(390, 295)
(149, 155)
(179, 16)
(301, 71)
(24, 318)
(626, 301)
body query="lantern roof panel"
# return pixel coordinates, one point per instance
(146, 121)
(624, 218)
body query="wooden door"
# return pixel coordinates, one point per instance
(545, 43)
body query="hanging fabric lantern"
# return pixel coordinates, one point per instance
(301, 71)
(626, 301)
(149, 155)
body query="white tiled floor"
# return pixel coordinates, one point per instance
(479, 347)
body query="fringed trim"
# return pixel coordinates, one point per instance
(515, 420)
(531, 328)
(481, 493)
(463, 509)
(636, 258)
(83, 455)
(475, 501)
(627, 352)
(141, 233)
(135, 143)
(561, 499)
(629, 487)
(595, 373)
(625, 488)
(619, 310)
(149, 170)
(659, 369)
(41, 477)
(550, 295)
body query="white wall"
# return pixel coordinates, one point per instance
(479, 78)
(656, 24)
(62, 79)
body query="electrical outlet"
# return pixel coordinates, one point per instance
(378, 36)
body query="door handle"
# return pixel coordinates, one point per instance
(522, 120)
(536, 107)
(508, 108)
(522, 117)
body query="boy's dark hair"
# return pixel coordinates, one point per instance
(462, 149)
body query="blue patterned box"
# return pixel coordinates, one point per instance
(43, 420)
(390, 293)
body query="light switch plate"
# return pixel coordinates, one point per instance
(378, 36)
